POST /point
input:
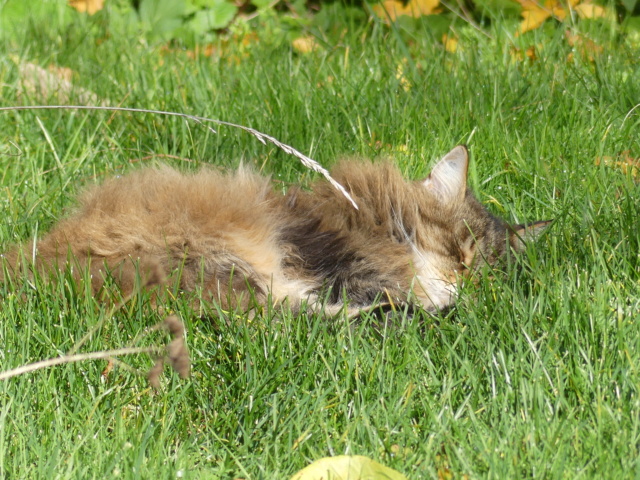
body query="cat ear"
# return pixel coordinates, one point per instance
(527, 233)
(448, 179)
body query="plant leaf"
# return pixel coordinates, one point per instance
(161, 17)
(347, 467)
(261, 3)
(219, 15)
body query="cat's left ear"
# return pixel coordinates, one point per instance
(448, 179)
(526, 233)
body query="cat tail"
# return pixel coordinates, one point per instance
(128, 274)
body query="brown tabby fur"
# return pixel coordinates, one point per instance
(234, 237)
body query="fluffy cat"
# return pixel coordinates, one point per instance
(237, 239)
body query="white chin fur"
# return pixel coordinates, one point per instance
(434, 291)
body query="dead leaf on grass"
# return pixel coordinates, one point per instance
(587, 48)
(450, 43)
(53, 85)
(623, 162)
(87, 6)
(534, 13)
(305, 44)
(520, 55)
(347, 467)
(390, 10)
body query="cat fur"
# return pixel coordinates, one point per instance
(242, 243)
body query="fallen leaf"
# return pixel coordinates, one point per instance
(535, 13)
(444, 473)
(450, 43)
(623, 162)
(530, 53)
(347, 467)
(53, 84)
(390, 10)
(587, 48)
(87, 6)
(442, 467)
(305, 44)
(589, 10)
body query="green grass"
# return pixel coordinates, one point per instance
(534, 374)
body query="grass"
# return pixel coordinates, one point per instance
(534, 374)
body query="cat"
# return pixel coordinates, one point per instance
(242, 243)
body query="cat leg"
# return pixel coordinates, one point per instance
(224, 278)
(128, 273)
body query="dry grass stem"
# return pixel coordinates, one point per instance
(80, 357)
(262, 137)
(175, 352)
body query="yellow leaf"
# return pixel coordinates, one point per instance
(419, 8)
(532, 19)
(624, 162)
(88, 6)
(534, 13)
(450, 43)
(530, 53)
(346, 467)
(305, 44)
(588, 10)
(586, 47)
(392, 9)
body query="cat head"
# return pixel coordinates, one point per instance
(420, 236)
(456, 235)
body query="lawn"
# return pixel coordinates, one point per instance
(534, 374)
